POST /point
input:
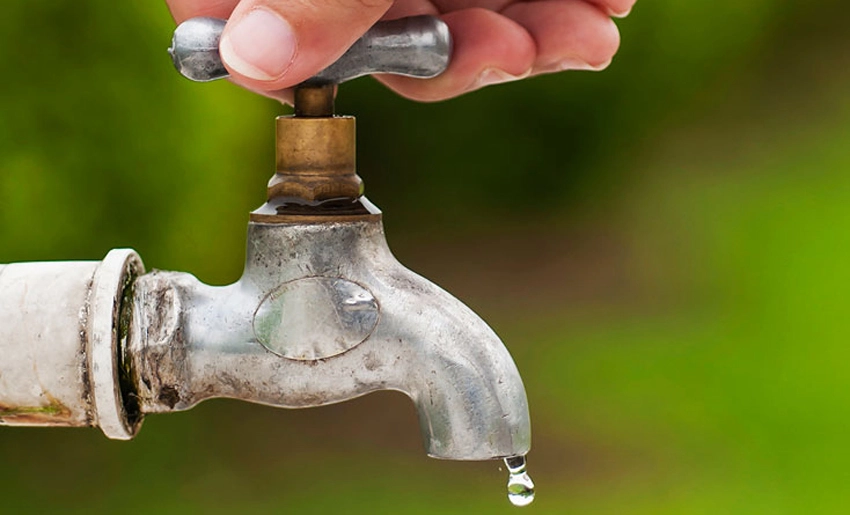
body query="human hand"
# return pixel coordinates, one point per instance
(270, 45)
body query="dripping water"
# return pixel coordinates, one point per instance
(520, 485)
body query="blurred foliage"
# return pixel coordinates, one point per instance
(693, 198)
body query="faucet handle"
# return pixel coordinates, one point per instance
(417, 46)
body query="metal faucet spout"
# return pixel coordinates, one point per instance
(324, 313)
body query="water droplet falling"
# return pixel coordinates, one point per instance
(520, 485)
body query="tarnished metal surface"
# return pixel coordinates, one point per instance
(418, 46)
(191, 342)
(314, 101)
(58, 335)
(316, 317)
(194, 49)
(315, 159)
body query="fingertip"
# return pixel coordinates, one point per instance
(569, 34)
(615, 8)
(258, 46)
(621, 14)
(608, 46)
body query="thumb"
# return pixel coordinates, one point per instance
(269, 45)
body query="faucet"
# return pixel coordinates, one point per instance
(323, 312)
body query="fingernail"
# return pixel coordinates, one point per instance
(260, 46)
(622, 14)
(495, 76)
(572, 64)
(599, 67)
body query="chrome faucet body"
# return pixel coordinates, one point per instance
(324, 313)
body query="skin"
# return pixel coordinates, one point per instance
(494, 40)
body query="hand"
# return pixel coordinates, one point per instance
(271, 45)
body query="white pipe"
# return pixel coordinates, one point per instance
(60, 326)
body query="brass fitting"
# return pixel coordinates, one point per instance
(315, 159)
(315, 150)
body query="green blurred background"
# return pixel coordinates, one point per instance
(662, 246)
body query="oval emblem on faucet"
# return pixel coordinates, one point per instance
(315, 317)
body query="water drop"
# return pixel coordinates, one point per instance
(520, 485)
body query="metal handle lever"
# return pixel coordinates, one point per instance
(418, 46)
